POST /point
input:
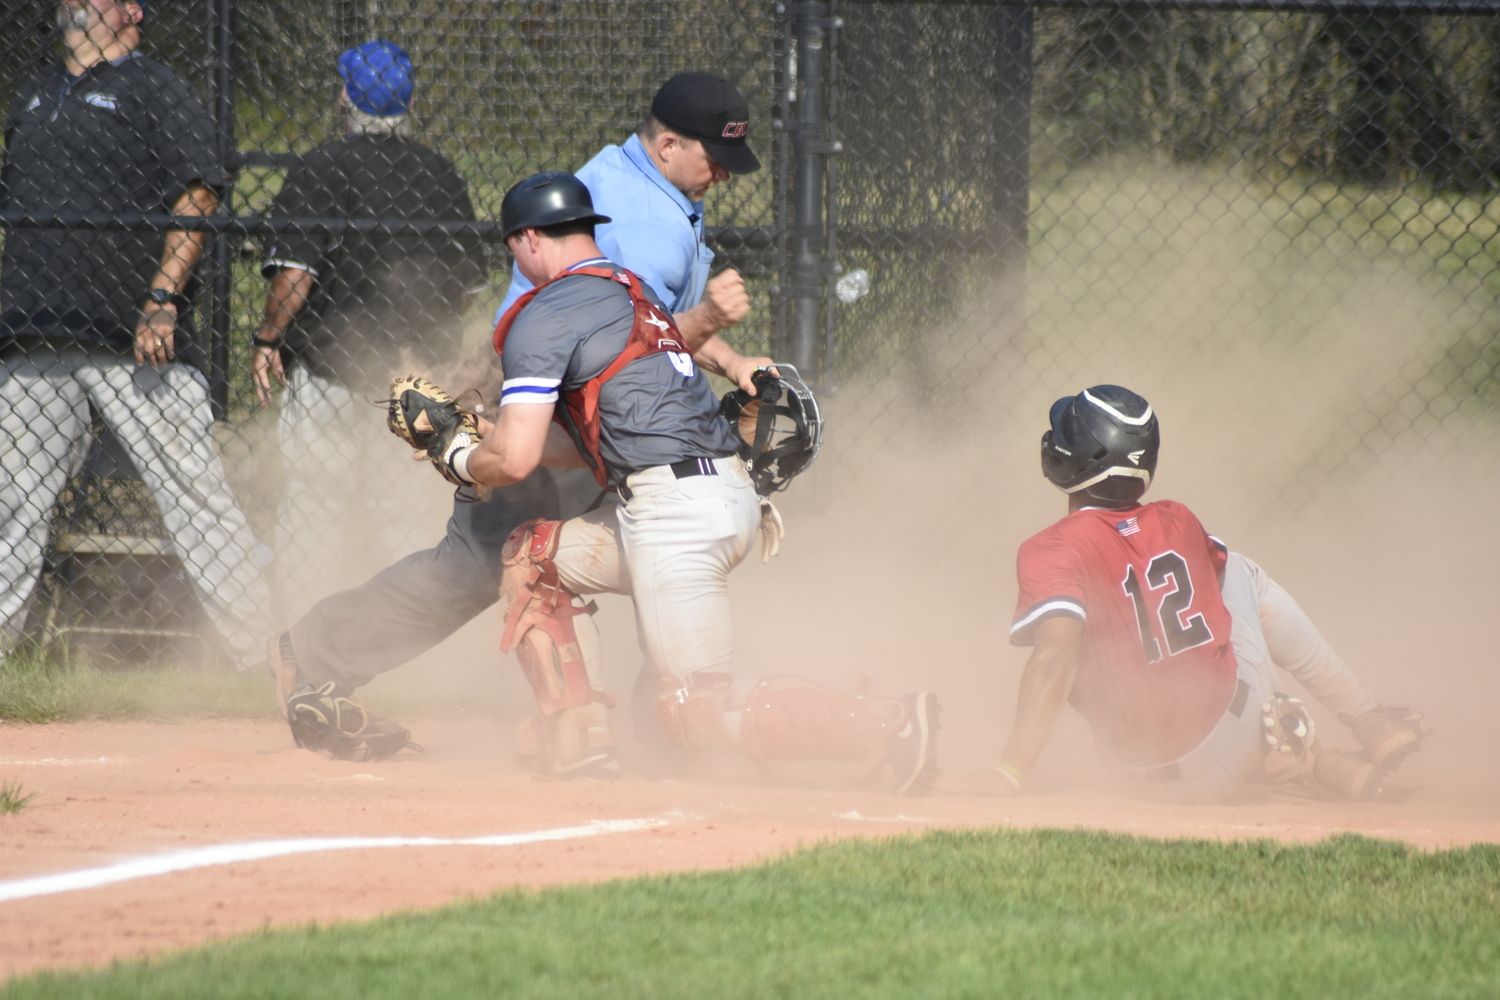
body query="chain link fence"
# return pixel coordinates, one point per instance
(960, 202)
(1201, 179)
(1318, 187)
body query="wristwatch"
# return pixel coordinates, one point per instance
(162, 297)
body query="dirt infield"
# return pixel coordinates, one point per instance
(112, 792)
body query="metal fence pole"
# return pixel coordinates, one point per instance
(783, 76)
(1013, 159)
(223, 244)
(831, 178)
(809, 146)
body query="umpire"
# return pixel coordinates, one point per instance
(651, 187)
(103, 317)
(693, 139)
(343, 312)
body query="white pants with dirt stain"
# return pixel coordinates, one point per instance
(671, 547)
(1270, 630)
(162, 418)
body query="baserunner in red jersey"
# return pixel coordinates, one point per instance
(1166, 641)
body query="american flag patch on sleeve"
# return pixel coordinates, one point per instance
(1129, 526)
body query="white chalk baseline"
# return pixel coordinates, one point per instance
(260, 850)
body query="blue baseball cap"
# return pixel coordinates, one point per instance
(377, 76)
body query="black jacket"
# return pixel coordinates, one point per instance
(122, 138)
(380, 304)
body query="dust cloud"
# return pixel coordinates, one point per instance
(1283, 390)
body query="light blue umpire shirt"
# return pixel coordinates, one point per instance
(653, 230)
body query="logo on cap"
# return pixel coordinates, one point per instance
(735, 130)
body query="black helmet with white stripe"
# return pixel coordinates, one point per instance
(1103, 444)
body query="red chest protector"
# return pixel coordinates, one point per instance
(653, 332)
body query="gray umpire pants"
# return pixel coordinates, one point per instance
(353, 636)
(162, 418)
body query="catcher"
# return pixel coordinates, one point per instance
(598, 376)
(1166, 641)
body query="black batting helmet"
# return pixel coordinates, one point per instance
(1103, 443)
(549, 198)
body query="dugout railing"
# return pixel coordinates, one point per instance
(960, 201)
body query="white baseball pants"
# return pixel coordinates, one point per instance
(162, 418)
(1287, 638)
(671, 547)
(1270, 630)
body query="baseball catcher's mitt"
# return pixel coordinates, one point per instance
(425, 417)
(323, 720)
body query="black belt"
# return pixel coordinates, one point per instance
(685, 469)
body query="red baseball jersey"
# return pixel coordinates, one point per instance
(1155, 667)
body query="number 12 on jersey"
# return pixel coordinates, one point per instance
(1181, 629)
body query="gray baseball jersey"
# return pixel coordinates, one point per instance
(658, 410)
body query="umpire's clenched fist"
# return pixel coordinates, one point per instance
(726, 299)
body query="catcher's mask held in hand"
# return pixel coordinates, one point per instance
(781, 427)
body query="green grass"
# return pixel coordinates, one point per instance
(38, 687)
(950, 914)
(11, 799)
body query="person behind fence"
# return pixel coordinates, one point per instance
(654, 186)
(1167, 642)
(345, 312)
(102, 317)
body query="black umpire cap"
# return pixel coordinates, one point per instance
(704, 107)
(549, 198)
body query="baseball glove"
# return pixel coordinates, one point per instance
(1291, 740)
(1390, 734)
(427, 418)
(323, 720)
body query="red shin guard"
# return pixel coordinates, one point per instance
(541, 617)
(787, 718)
(784, 718)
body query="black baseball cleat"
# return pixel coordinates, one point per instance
(604, 766)
(600, 767)
(325, 719)
(539, 759)
(913, 747)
